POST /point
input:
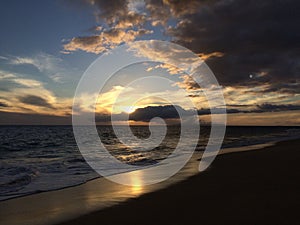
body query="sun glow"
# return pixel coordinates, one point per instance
(128, 109)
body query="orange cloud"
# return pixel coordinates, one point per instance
(204, 56)
(105, 40)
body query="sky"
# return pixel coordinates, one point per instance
(252, 47)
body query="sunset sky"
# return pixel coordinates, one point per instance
(252, 47)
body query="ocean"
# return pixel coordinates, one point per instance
(43, 158)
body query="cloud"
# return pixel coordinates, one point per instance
(277, 108)
(265, 114)
(24, 60)
(119, 13)
(255, 38)
(288, 87)
(252, 47)
(162, 11)
(263, 108)
(30, 96)
(122, 22)
(158, 17)
(181, 8)
(164, 112)
(2, 104)
(258, 95)
(105, 40)
(47, 64)
(171, 112)
(87, 44)
(286, 118)
(188, 83)
(172, 70)
(10, 79)
(35, 100)
(27, 82)
(3, 58)
(172, 55)
(42, 61)
(6, 75)
(110, 11)
(245, 43)
(205, 57)
(129, 18)
(13, 118)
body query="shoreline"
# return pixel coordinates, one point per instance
(61, 197)
(256, 187)
(227, 150)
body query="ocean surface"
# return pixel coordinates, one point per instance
(42, 158)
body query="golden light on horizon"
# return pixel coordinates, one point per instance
(128, 109)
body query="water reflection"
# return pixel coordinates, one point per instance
(136, 182)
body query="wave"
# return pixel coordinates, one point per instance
(38, 159)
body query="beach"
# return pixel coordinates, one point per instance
(254, 187)
(250, 187)
(149, 112)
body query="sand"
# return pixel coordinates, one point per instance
(254, 187)
(249, 187)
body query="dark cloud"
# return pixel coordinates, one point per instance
(263, 108)
(291, 88)
(255, 36)
(277, 108)
(188, 83)
(179, 8)
(35, 100)
(237, 106)
(193, 96)
(11, 118)
(2, 104)
(216, 111)
(171, 112)
(86, 41)
(161, 11)
(110, 10)
(257, 41)
(164, 112)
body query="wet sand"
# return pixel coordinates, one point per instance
(245, 185)
(253, 187)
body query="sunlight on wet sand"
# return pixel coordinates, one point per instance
(96, 194)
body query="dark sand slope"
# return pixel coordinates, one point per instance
(256, 187)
